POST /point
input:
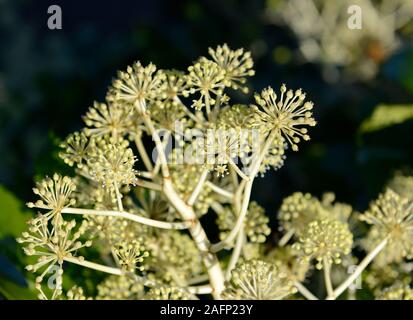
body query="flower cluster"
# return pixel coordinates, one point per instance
(137, 84)
(147, 218)
(391, 216)
(326, 241)
(258, 280)
(131, 255)
(299, 210)
(398, 291)
(120, 288)
(111, 164)
(102, 119)
(51, 246)
(152, 221)
(55, 194)
(237, 65)
(288, 115)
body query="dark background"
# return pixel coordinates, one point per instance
(49, 78)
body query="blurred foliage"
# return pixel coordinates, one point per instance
(385, 116)
(48, 79)
(13, 215)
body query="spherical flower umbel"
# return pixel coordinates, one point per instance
(287, 114)
(174, 252)
(237, 65)
(51, 246)
(137, 84)
(120, 288)
(77, 293)
(326, 241)
(111, 163)
(131, 255)
(175, 85)
(402, 185)
(54, 194)
(297, 211)
(398, 291)
(167, 293)
(103, 119)
(207, 78)
(258, 280)
(391, 216)
(238, 117)
(75, 148)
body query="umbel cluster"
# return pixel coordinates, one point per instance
(135, 219)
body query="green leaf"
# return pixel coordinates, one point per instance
(13, 215)
(385, 116)
(12, 291)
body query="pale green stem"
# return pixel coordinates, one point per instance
(118, 197)
(143, 154)
(286, 237)
(236, 253)
(198, 187)
(202, 289)
(145, 174)
(94, 266)
(363, 264)
(149, 185)
(237, 169)
(111, 270)
(304, 291)
(219, 190)
(327, 278)
(189, 113)
(240, 220)
(198, 279)
(234, 178)
(207, 104)
(129, 216)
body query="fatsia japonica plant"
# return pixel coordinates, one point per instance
(199, 155)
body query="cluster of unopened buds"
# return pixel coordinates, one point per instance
(132, 208)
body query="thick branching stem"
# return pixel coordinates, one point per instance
(363, 264)
(200, 238)
(196, 230)
(246, 196)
